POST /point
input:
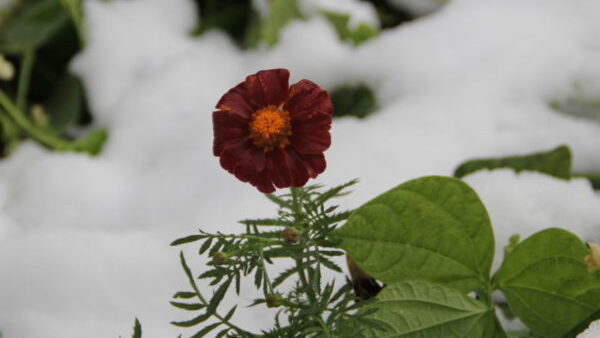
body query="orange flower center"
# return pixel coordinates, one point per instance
(270, 128)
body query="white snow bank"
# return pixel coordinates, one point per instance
(359, 11)
(593, 331)
(84, 241)
(529, 202)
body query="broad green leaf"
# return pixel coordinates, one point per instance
(418, 308)
(556, 162)
(433, 228)
(75, 9)
(358, 101)
(546, 282)
(519, 334)
(33, 27)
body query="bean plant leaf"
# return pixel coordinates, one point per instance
(418, 308)
(546, 282)
(556, 162)
(33, 27)
(581, 326)
(433, 228)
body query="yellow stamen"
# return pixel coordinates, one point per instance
(270, 127)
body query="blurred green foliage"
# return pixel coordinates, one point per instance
(358, 101)
(248, 28)
(243, 24)
(358, 35)
(389, 15)
(234, 17)
(556, 162)
(45, 102)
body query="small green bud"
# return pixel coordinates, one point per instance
(220, 258)
(513, 241)
(39, 115)
(7, 70)
(274, 300)
(290, 235)
(592, 261)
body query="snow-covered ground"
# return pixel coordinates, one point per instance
(84, 240)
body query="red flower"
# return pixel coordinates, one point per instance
(270, 134)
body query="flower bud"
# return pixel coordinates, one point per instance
(39, 115)
(593, 259)
(290, 235)
(220, 258)
(274, 300)
(7, 70)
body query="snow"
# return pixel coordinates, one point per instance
(84, 240)
(359, 11)
(593, 331)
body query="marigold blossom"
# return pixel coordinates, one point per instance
(270, 134)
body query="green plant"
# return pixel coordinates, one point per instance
(430, 240)
(301, 234)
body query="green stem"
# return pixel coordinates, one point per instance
(299, 219)
(265, 274)
(34, 131)
(24, 78)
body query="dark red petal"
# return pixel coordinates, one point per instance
(267, 87)
(298, 171)
(263, 183)
(236, 101)
(277, 168)
(306, 99)
(275, 85)
(311, 136)
(315, 164)
(242, 159)
(227, 129)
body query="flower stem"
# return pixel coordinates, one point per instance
(299, 219)
(39, 134)
(24, 78)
